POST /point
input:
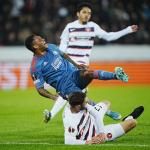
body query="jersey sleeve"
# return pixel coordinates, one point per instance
(99, 31)
(98, 113)
(37, 79)
(64, 39)
(53, 47)
(110, 36)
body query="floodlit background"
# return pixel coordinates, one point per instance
(20, 105)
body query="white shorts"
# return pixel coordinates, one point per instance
(113, 131)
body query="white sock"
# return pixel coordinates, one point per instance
(59, 104)
(129, 117)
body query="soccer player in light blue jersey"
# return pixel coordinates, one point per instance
(57, 69)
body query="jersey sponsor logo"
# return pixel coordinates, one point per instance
(86, 29)
(81, 38)
(56, 64)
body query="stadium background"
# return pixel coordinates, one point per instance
(20, 18)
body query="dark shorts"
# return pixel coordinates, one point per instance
(74, 83)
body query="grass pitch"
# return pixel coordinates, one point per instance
(22, 127)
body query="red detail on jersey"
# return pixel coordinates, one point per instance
(72, 39)
(73, 130)
(88, 29)
(33, 64)
(109, 135)
(96, 75)
(69, 129)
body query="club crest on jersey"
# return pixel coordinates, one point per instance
(55, 53)
(109, 135)
(45, 63)
(88, 29)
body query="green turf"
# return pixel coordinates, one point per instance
(22, 127)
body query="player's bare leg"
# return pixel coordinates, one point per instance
(129, 122)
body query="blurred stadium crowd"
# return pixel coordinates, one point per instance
(19, 18)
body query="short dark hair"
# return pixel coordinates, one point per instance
(76, 98)
(84, 4)
(29, 42)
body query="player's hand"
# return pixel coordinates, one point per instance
(102, 137)
(99, 139)
(82, 66)
(134, 28)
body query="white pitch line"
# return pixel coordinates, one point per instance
(107, 145)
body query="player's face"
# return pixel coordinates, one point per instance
(82, 106)
(39, 43)
(84, 15)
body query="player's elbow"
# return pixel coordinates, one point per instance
(109, 39)
(40, 90)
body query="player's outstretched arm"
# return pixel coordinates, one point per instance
(74, 63)
(111, 36)
(46, 94)
(134, 28)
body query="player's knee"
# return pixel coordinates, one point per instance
(106, 102)
(88, 73)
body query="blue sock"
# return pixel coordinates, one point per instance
(104, 75)
(108, 113)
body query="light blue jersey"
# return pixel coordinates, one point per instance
(53, 69)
